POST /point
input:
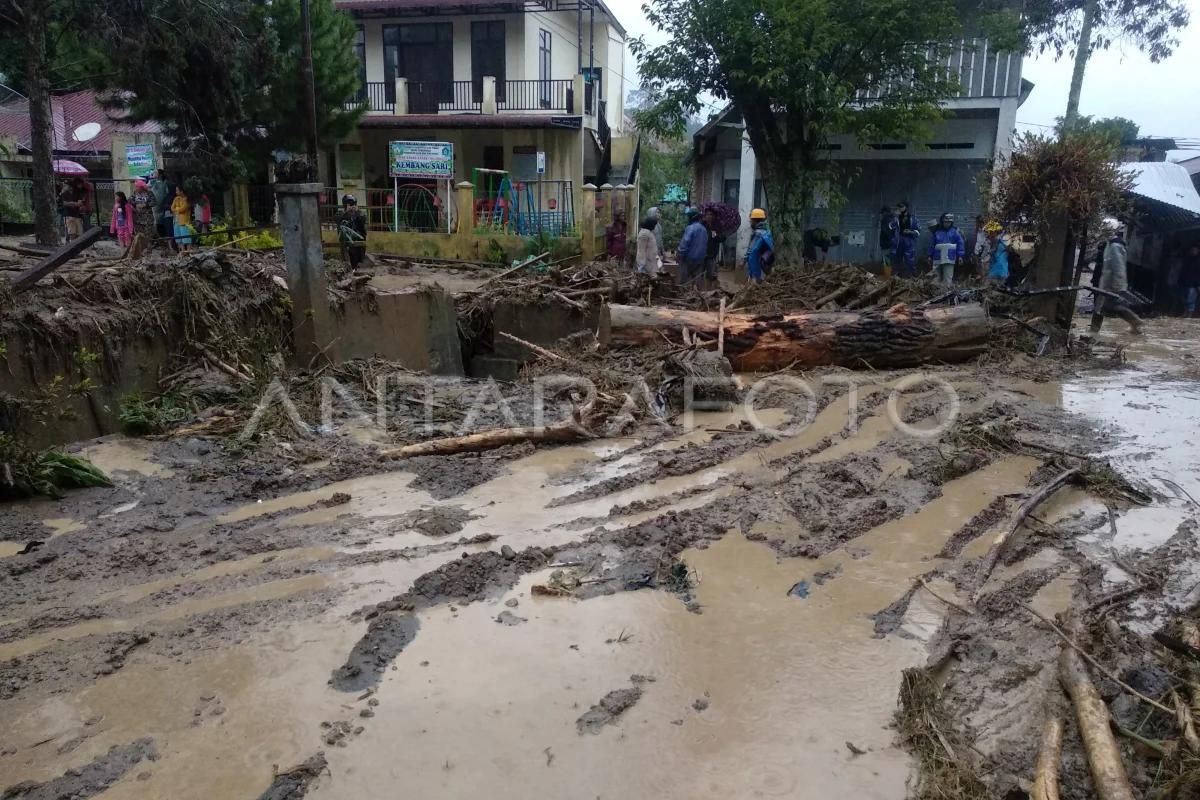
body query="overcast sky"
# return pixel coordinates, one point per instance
(1164, 98)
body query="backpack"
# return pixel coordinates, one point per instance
(767, 259)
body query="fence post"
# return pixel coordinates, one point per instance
(587, 223)
(400, 108)
(464, 211)
(489, 95)
(300, 226)
(241, 205)
(607, 199)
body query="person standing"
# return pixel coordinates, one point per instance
(711, 257)
(72, 210)
(693, 248)
(647, 247)
(352, 231)
(181, 213)
(889, 234)
(908, 231)
(163, 196)
(145, 218)
(202, 215)
(87, 206)
(997, 267)
(981, 251)
(656, 215)
(947, 250)
(1189, 279)
(615, 234)
(1115, 278)
(121, 225)
(760, 254)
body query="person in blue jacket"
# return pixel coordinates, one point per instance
(947, 250)
(908, 230)
(693, 248)
(760, 255)
(998, 262)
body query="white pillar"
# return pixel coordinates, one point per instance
(489, 95)
(401, 97)
(1006, 128)
(749, 168)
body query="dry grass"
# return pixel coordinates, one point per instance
(946, 769)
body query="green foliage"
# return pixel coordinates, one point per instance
(25, 472)
(541, 242)
(494, 253)
(1046, 178)
(662, 163)
(14, 202)
(1116, 130)
(142, 417)
(794, 70)
(265, 239)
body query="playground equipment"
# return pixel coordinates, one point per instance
(524, 208)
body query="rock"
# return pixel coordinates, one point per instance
(508, 552)
(511, 602)
(508, 618)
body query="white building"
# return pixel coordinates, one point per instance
(502, 82)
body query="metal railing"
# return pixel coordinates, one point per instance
(431, 98)
(589, 97)
(374, 96)
(535, 95)
(16, 204)
(525, 208)
(420, 208)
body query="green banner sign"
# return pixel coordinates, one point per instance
(139, 159)
(421, 160)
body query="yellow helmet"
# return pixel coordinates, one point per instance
(993, 227)
(758, 213)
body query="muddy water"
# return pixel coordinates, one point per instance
(125, 455)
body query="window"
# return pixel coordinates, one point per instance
(544, 94)
(360, 52)
(487, 57)
(732, 191)
(952, 146)
(424, 54)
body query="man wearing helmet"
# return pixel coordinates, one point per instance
(947, 250)
(760, 255)
(352, 231)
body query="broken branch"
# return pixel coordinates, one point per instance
(1045, 774)
(1104, 759)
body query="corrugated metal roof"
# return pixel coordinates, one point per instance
(68, 113)
(1166, 183)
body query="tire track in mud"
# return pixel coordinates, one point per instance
(89, 780)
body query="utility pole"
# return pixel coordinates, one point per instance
(310, 94)
(1083, 51)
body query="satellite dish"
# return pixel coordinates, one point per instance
(86, 132)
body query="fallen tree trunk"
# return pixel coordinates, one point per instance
(569, 430)
(898, 337)
(1045, 774)
(1104, 759)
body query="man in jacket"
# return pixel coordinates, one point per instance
(693, 248)
(908, 230)
(1115, 278)
(947, 250)
(352, 231)
(760, 255)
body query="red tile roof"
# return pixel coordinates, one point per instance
(69, 112)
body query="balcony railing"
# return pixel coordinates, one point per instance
(431, 98)
(376, 96)
(552, 95)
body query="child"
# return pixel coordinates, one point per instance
(122, 220)
(202, 215)
(181, 210)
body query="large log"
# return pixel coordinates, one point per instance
(898, 337)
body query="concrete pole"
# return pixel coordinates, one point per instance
(300, 223)
(749, 168)
(464, 217)
(587, 223)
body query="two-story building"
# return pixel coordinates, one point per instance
(936, 176)
(529, 93)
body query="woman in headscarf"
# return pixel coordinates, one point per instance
(647, 247)
(145, 219)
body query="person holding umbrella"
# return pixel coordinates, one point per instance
(72, 197)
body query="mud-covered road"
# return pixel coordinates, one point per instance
(712, 611)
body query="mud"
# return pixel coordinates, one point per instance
(313, 583)
(294, 783)
(606, 712)
(90, 779)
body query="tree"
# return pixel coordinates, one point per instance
(795, 70)
(1116, 130)
(1080, 27)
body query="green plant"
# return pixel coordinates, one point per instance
(495, 253)
(541, 242)
(25, 472)
(142, 417)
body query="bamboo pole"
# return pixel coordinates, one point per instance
(1104, 759)
(1045, 774)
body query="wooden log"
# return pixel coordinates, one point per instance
(1045, 774)
(900, 336)
(569, 431)
(1104, 759)
(56, 259)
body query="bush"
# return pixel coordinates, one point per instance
(25, 472)
(141, 417)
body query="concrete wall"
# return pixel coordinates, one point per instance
(417, 328)
(470, 247)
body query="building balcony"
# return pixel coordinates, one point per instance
(489, 96)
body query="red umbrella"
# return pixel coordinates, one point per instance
(64, 167)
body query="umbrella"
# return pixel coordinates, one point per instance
(64, 167)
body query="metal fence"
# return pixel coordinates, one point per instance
(525, 208)
(413, 207)
(430, 98)
(536, 95)
(16, 205)
(374, 96)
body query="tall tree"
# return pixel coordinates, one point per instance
(796, 71)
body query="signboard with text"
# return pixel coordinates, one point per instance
(421, 160)
(139, 158)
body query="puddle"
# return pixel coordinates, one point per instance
(63, 525)
(125, 455)
(10, 548)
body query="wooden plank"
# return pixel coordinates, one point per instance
(56, 259)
